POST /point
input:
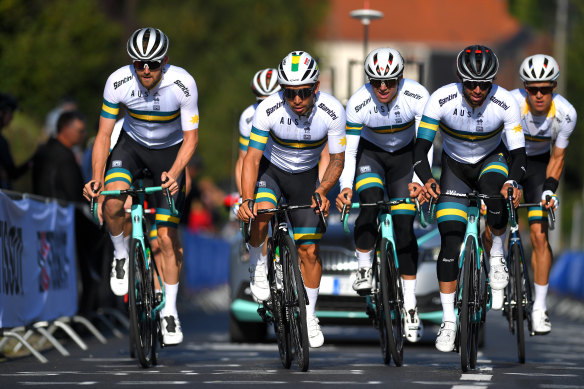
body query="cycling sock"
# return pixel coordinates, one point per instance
(364, 259)
(410, 301)
(497, 248)
(255, 254)
(170, 306)
(264, 259)
(540, 295)
(447, 300)
(312, 294)
(127, 243)
(120, 250)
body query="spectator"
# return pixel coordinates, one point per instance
(56, 172)
(8, 170)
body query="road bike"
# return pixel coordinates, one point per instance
(286, 307)
(385, 300)
(144, 303)
(518, 300)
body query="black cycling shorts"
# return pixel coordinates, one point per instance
(532, 184)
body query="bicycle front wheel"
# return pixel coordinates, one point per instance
(468, 327)
(140, 302)
(379, 312)
(392, 301)
(281, 328)
(517, 279)
(295, 301)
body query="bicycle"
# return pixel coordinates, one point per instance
(518, 301)
(143, 303)
(286, 307)
(385, 301)
(473, 293)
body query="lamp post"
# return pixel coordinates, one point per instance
(365, 16)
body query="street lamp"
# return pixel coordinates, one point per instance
(366, 16)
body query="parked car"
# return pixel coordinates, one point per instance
(337, 303)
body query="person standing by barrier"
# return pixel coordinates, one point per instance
(8, 170)
(160, 133)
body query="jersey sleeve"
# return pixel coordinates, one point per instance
(566, 128)
(512, 125)
(243, 136)
(337, 140)
(189, 109)
(260, 128)
(353, 128)
(430, 120)
(110, 107)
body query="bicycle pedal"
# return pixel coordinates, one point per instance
(364, 292)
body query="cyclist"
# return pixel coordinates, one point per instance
(160, 132)
(289, 131)
(472, 116)
(382, 117)
(546, 117)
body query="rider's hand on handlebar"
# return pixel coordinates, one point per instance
(92, 189)
(429, 193)
(244, 213)
(344, 198)
(554, 200)
(516, 193)
(417, 191)
(169, 182)
(324, 205)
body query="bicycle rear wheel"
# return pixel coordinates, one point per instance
(379, 313)
(278, 308)
(141, 294)
(517, 279)
(295, 301)
(468, 330)
(392, 301)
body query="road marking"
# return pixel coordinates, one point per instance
(554, 386)
(544, 374)
(245, 372)
(84, 383)
(153, 382)
(339, 372)
(476, 377)
(246, 382)
(342, 382)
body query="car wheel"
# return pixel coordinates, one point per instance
(246, 332)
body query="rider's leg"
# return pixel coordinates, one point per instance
(311, 268)
(541, 260)
(258, 254)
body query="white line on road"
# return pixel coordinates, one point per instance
(85, 383)
(476, 377)
(153, 382)
(246, 382)
(544, 374)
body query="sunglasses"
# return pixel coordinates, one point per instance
(152, 65)
(544, 90)
(389, 82)
(290, 94)
(472, 85)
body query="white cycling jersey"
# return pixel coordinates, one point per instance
(293, 143)
(154, 118)
(390, 126)
(470, 134)
(245, 121)
(541, 131)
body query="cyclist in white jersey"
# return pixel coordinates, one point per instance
(289, 131)
(160, 133)
(472, 116)
(548, 120)
(382, 117)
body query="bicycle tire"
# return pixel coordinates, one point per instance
(465, 312)
(379, 314)
(140, 295)
(390, 289)
(295, 301)
(279, 310)
(519, 307)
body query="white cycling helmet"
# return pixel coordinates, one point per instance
(148, 44)
(384, 63)
(265, 83)
(539, 68)
(298, 68)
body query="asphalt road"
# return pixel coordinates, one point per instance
(350, 357)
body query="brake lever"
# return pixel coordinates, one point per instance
(247, 226)
(318, 201)
(552, 213)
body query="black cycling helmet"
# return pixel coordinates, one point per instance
(477, 62)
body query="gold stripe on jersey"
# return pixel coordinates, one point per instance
(470, 136)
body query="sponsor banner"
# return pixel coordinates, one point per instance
(37, 261)
(206, 261)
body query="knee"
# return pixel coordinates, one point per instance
(539, 239)
(165, 241)
(113, 207)
(308, 253)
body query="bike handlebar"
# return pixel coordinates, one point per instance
(379, 204)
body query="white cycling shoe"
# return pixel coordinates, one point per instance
(119, 276)
(413, 327)
(258, 283)
(446, 336)
(362, 283)
(497, 297)
(540, 323)
(315, 336)
(498, 275)
(171, 330)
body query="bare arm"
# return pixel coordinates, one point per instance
(238, 167)
(99, 156)
(184, 155)
(332, 173)
(249, 177)
(556, 163)
(324, 162)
